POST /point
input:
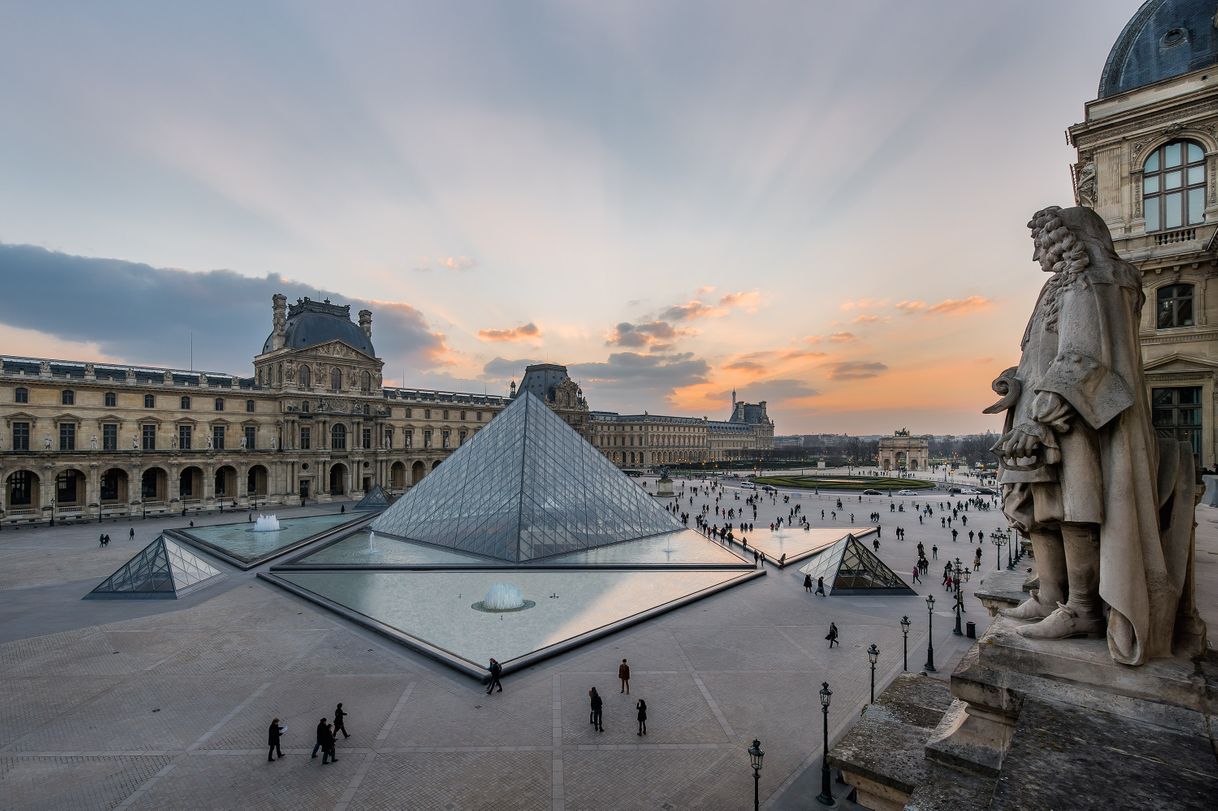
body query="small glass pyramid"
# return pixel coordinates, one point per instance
(160, 569)
(376, 499)
(525, 487)
(849, 567)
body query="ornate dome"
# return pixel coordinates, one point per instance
(312, 323)
(1165, 38)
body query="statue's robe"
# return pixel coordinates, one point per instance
(1082, 344)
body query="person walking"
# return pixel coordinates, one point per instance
(322, 728)
(496, 670)
(327, 750)
(623, 673)
(131, 534)
(641, 706)
(597, 705)
(272, 739)
(934, 550)
(832, 635)
(820, 586)
(101, 539)
(340, 721)
(808, 583)
(915, 574)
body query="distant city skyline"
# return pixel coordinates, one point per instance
(817, 205)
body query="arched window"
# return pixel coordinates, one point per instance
(306, 377)
(336, 379)
(249, 406)
(109, 399)
(149, 401)
(185, 403)
(219, 404)
(22, 395)
(1173, 186)
(1174, 306)
(338, 437)
(366, 382)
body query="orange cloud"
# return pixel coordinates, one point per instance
(863, 304)
(696, 308)
(524, 332)
(868, 319)
(949, 306)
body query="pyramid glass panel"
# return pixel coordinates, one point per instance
(525, 487)
(850, 567)
(376, 499)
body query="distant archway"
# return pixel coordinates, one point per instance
(255, 481)
(397, 476)
(22, 490)
(154, 484)
(114, 486)
(417, 471)
(225, 482)
(338, 479)
(190, 484)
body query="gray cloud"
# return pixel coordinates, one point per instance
(142, 314)
(505, 368)
(778, 390)
(643, 334)
(855, 369)
(630, 377)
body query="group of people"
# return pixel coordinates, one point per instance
(597, 704)
(327, 736)
(104, 538)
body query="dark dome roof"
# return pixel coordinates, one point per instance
(312, 323)
(1165, 38)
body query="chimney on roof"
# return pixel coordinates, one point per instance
(279, 319)
(365, 322)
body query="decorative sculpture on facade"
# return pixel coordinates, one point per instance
(1107, 504)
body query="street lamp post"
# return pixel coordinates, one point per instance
(755, 756)
(873, 653)
(826, 790)
(1010, 559)
(905, 623)
(930, 634)
(959, 572)
(997, 539)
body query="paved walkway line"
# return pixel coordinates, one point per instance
(557, 795)
(397, 711)
(353, 786)
(149, 783)
(206, 735)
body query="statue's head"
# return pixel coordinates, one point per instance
(1065, 236)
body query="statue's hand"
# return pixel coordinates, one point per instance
(1051, 409)
(1027, 446)
(1008, 387)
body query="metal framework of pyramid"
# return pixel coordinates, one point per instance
(849, 567)
(376, 499)
(525, 487)
(161, 569)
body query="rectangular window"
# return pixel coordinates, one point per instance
(427, 413)
(462, 416)
(367, 439)
(217, 437)
(461, 437)
(1178, 411)
(305, 439)
(67, 436)
(185, 434)
(21, 436)
(110, 436)
(249, 406)
(479, 415)
(149, 437)
(251, 437)
(409, 413)
(446, 413)
(408, 436)
(427, 439)
(109, 399)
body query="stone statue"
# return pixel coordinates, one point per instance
(1108, 505)
(209, 447)
(93, 442)
(46, 442)
(135, 442)
(173, 442)
(242, 443)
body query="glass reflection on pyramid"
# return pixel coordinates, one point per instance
(530, 503)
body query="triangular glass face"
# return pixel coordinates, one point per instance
(525, 487)
(376, 499)
(849, 566)
(162, 567)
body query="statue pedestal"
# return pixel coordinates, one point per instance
(1004, 671)
(664, 488)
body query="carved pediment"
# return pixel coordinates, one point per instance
(338, 349)
(1182, 364)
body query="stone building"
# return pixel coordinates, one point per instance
(904, 452)
(1148, 164)
(81, 440)
(644, 440)
(551, 383)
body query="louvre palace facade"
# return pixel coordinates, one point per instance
(86, 440)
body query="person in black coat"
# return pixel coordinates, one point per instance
(832, 635)
(340, 722)
(597, 706)
(322, 728)
(808, 583)
(272, 740)
(327, 748)
(641, 706)
(496, 670)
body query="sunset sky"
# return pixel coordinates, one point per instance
(819, 204)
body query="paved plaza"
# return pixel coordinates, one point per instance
(165, 704)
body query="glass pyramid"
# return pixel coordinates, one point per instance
(376, 499)
(849, 567)
(160, 569)
(525, 487)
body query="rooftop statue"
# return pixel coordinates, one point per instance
(1108, 505)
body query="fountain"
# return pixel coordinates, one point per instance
(503, 597)
(267, 523)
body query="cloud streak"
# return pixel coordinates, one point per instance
(855, 369)
(524, 332)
